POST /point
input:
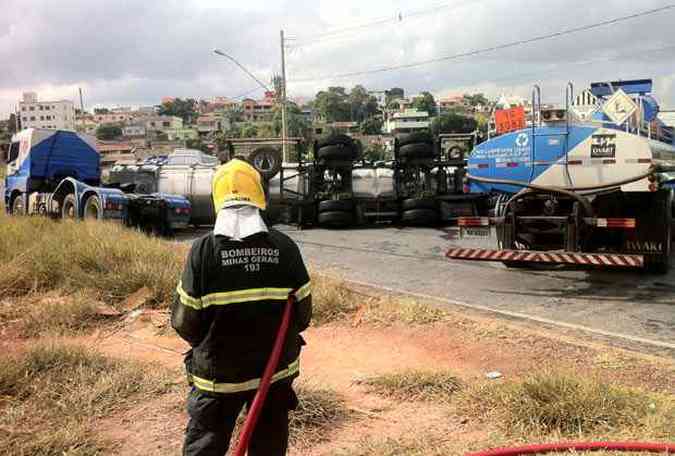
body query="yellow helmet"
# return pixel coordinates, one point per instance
(236, 183)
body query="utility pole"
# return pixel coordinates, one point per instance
(284, 126)
(81, 108)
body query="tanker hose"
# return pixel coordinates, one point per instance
(265, 381)
(566, 447)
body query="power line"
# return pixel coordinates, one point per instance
(494, 48)
(398, 17)
(554, 67)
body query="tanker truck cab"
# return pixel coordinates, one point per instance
(569, 191)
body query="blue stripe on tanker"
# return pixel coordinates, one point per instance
(510, 156)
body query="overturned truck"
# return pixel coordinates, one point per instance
(331, 185)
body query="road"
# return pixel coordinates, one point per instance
(627, 307)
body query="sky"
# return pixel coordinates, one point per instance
(130, 53)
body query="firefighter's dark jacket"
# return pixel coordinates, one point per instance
(229, 304)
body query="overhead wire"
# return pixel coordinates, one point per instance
(497, 47)
(383, 20)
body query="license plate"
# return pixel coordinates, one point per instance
(475, 231)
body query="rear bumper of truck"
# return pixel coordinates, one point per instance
(560, 257)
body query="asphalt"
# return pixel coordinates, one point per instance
(627, 308)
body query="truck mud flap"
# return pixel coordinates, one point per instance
(529, 256)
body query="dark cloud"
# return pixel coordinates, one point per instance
(137, 51)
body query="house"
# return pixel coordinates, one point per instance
(134, 130)
(451, 102)
(407, 121)
(162, 124)
(55, 115)
(259, 110)
(182, 134)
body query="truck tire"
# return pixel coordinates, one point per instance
(267, 161)
(420, 217)
(18, 207)
(419, 203)
(415, 137)
(336, 219)
(334, 140)
(336, 205)
(416, 150)
(69, 207)
(341, 152)
(93, 209)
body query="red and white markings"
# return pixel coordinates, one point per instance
(592, 259)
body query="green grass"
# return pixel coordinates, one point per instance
(570, 405)
(53, 394)
(412, 385)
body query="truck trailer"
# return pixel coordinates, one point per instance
(58, 173)
(333, 186)
(578, 188)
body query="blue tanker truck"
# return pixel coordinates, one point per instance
(588, 184)
(58, 173)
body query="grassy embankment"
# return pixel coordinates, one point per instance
(82, 265)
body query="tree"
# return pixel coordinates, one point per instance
(197, 144)
(108, 132)
(362, 104)
(101, 111)
(372, 126)
(375, 152)
(185, 109)
(392, 94)
(453, 123)
(297, 125)
(249, 130)
(425, 102)
(333, 104)
(477, 99)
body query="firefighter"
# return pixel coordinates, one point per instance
(228, 307)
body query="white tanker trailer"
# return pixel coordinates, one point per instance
(597, 192)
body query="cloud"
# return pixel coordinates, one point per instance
(135, 52)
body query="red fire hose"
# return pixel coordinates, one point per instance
(578, 446)
(270, 368)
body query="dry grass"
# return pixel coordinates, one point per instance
(388, 311)
(54, 313)
(38, 254)
(415, 385)
(333, 300)
(319, 412)
(52, 395)
(569, 405)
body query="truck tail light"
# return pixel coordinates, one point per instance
(622, 223)
(182, 210)
(473, 221)
(653, 187)
(113, 206)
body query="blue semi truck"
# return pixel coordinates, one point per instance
(58, 173)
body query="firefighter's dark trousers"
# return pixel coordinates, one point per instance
(213, 416)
